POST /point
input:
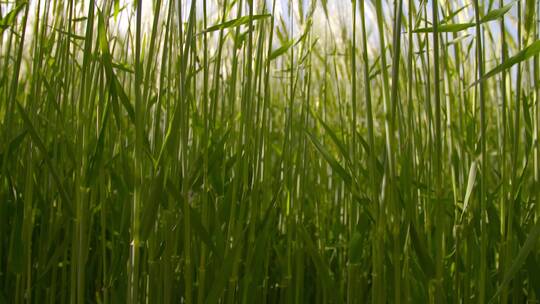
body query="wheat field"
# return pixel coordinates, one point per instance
(269, 151)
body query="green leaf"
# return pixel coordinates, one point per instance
(458, 27)
(41, 147)
(235, 22)
(521, 56)
(336, 167)
(71, 35)
(529, 19)
(97, 155)
(446, 28)
(458, 39)
(324, 4)
(453, 14)
(115, 88)
(124, 98)
(281, 50)
(520, 259)
(123, 67)
(334, 138)
(470, 186)
(9, 19)
(497, 13)
(116, 9)
(102, 34)
(13, 145)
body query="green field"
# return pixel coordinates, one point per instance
(269, 151)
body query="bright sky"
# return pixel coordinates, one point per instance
(339, 10)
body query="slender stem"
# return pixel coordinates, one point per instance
(439, 215)
(483, 166)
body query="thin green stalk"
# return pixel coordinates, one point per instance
(483, 167)
(504, 159)
(134, 263)
(439, 215)
(396, 208)
(376, 254)
(205, 139)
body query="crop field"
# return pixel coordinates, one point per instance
(269, 151)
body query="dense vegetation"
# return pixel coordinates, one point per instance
(248, 151)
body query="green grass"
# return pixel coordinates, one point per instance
(213, 152)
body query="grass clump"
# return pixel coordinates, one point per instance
(220, 151)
